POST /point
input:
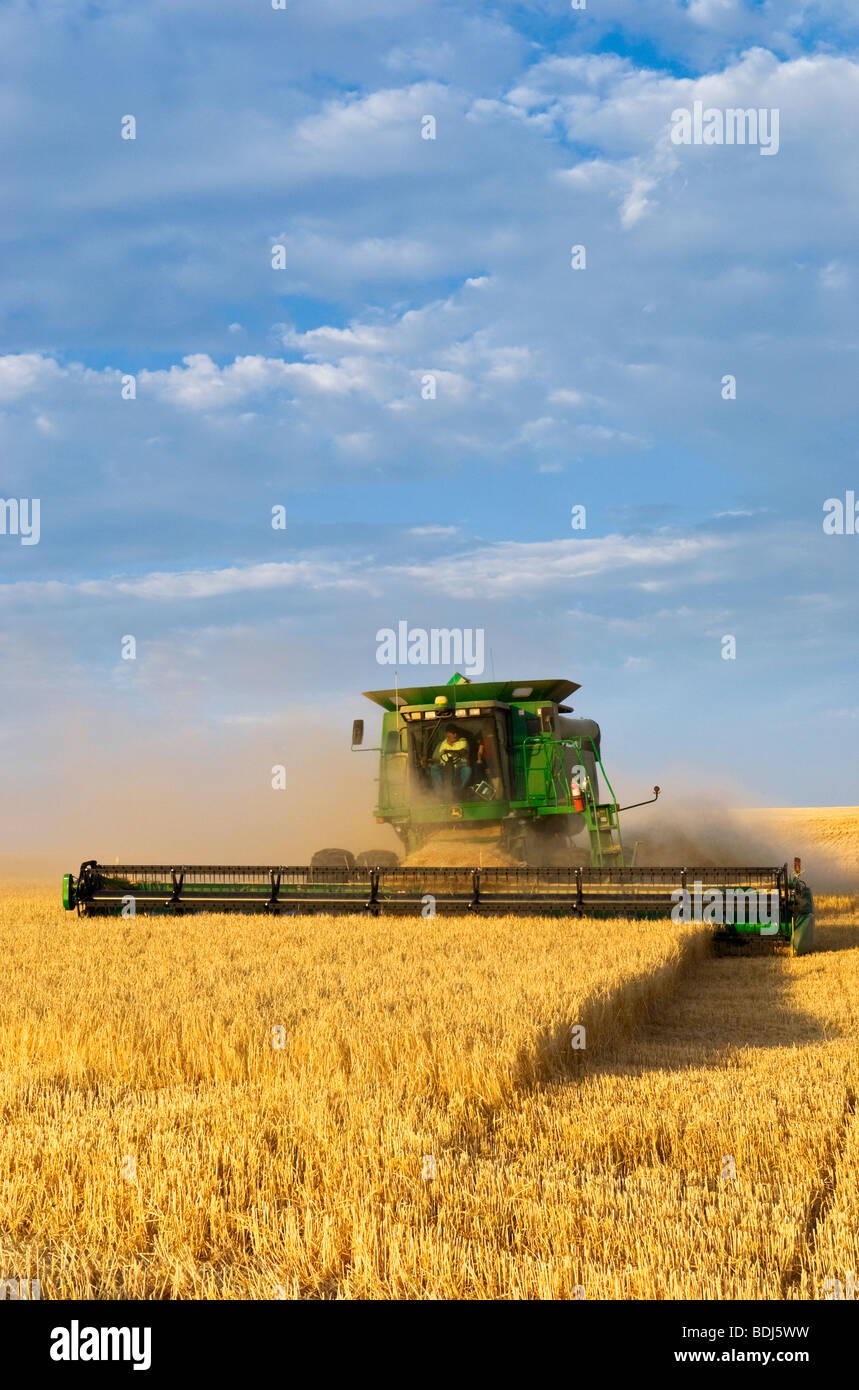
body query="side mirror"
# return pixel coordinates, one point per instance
(656, 793)
(357, 732)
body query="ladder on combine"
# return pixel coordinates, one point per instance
(548, 789)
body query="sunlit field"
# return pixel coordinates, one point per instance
(221, 1107)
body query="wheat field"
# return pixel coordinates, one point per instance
(828, 840)
(222, 1108)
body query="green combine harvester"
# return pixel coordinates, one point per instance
(468, 771)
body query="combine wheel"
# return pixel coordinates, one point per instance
(333, 859)
(377, 859)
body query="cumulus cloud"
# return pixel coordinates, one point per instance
(27, 374)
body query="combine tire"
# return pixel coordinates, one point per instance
(377, 859)
(333, 859)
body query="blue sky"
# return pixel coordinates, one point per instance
(302, 387)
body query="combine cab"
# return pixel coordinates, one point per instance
(468, 770)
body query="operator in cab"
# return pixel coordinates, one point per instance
(451, 761)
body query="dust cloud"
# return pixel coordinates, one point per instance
(825, 838)
(141, 793)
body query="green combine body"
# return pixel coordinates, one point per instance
(532, 781)
(490, 764)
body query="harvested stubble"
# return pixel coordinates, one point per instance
(621, 1186)
(156, 1142)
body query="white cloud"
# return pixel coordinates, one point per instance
(567, 397)
(25, 374)
(511, 568)
(635, 203)
(200, 384)
(195, 584)
(518, 568)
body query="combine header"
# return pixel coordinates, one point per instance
(469, 771)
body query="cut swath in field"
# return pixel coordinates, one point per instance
(708, 1156)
